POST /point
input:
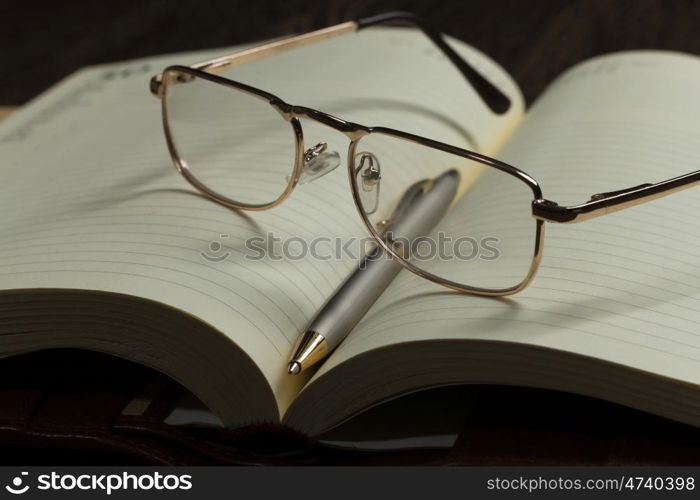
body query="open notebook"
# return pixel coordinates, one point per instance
(102, 240)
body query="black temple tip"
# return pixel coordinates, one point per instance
(492, 96)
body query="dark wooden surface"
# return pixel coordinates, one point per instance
(41, 42)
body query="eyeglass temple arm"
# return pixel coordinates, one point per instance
(496, 100)
(606, 203)
(491, 95)
(224, 63)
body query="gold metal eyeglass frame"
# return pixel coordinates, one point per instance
(543, 210)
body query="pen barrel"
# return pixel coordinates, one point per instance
(355, 296)
(417, 214)
(424, 207)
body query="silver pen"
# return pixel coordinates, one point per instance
(421, 207)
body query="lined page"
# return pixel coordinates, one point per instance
(91, 201)
(623, 288)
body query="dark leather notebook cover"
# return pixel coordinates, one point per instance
(68, 407)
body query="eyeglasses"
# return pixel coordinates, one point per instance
(489, 242)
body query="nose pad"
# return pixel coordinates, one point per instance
(317, 163)
(368, 175)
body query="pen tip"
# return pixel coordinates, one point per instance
(293, 368)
